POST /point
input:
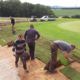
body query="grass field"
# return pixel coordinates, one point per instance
(61, 29)
(67, 12)
(71, 26)
(49, 31)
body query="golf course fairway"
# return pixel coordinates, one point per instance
(71, 26)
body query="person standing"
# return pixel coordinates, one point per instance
(19, 48)
(13, 23)
(31, 36)
(65, 47)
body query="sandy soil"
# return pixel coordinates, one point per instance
(36, 71)
(76, 66)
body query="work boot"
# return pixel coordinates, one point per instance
(26, 71)
(13, 32)
(46, 68)
(53, 72)
(16, 65)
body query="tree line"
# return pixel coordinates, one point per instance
(17, 9)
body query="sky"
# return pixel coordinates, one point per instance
(66, 3)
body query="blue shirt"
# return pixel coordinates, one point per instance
(64, 46)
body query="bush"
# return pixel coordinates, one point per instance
(65, 16)
(76, 16)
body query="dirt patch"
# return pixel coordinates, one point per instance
(76, 66)
(7, 69)
(35, 67)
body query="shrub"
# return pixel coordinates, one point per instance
(76, 16)
(65, 16)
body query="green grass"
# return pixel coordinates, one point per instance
(68, 12)
(71, 26)
(71, 73)
(49, 31)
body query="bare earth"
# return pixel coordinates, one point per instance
(36, 71)
(76, 66)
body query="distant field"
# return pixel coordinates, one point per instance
(69, 12)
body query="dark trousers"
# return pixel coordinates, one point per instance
(13, 29)
(23, 59)
(32, 50)
(53, 63)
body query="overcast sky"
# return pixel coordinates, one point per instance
(67, 3)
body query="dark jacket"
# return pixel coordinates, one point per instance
(12, 21)
(31, 35)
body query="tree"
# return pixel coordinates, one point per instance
(27, 9)
(1, 3)
(17, 9)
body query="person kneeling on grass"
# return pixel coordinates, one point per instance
(65, 47)
(20, 49)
